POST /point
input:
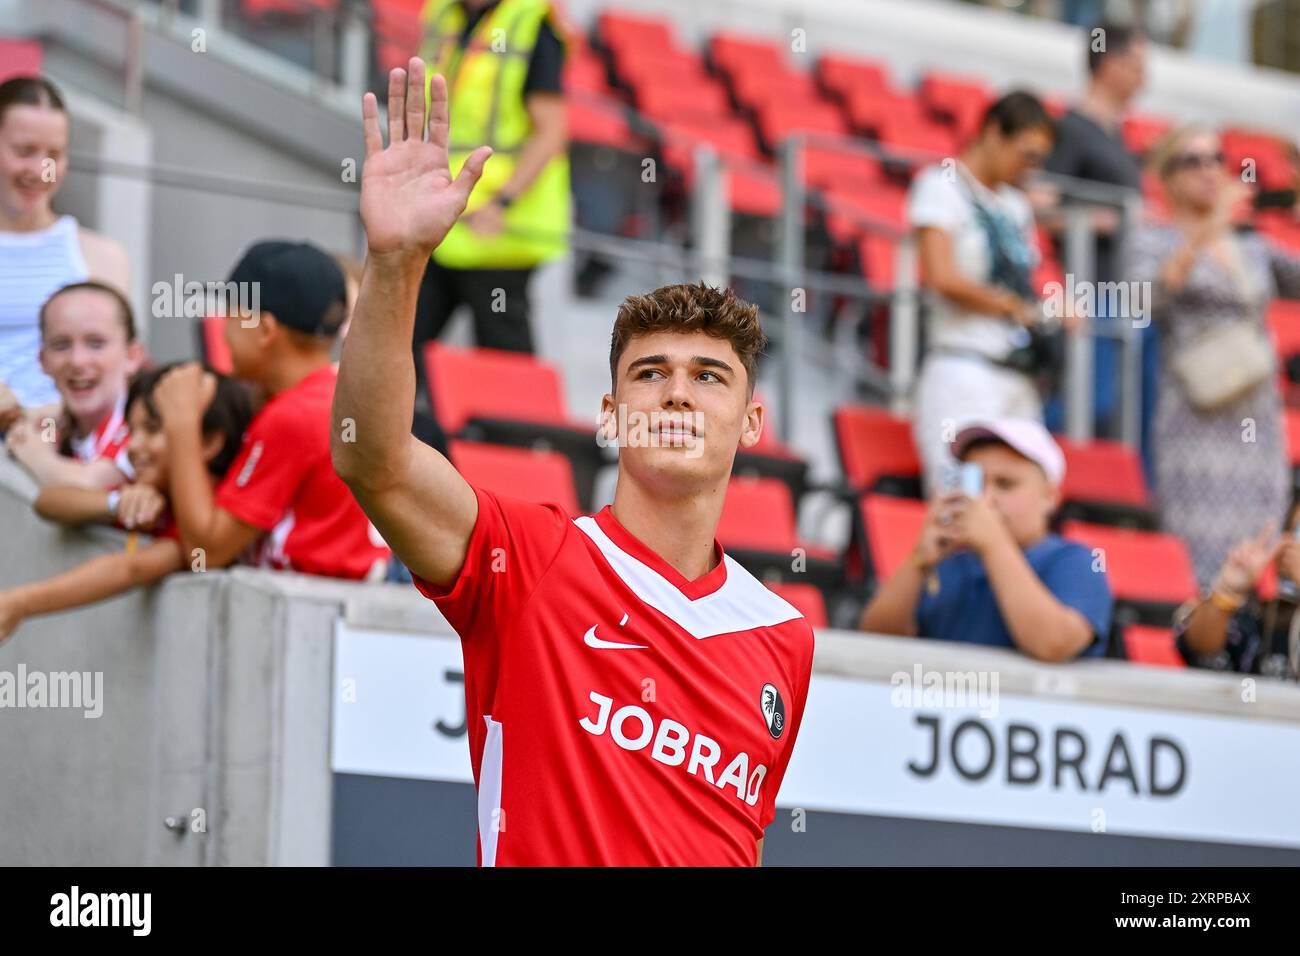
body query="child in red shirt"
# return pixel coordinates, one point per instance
(281, 503)
(142, 504)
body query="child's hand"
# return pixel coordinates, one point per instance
(27, 444)
(10, 408)
(184, 394)
(139, 506)
(11, 615)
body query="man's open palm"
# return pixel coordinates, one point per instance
(409, 201)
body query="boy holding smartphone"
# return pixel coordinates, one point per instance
(986, 569)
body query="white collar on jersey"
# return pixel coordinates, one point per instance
(742, 603)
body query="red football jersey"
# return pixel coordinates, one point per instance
(108, 441)
(283, 482)
(619, 715)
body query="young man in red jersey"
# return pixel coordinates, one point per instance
(280, 499)
(634, 695)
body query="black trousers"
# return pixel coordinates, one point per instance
(498, 299)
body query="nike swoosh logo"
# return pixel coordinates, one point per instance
(592, 640)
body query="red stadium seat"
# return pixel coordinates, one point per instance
(868, 110)
(877, 256)
(790, 89)
(619, 29)
(585, 74)
(758, 515)
(892, 526)
(397, 31)
(776, 121)
(925, 137)
(1293, 436)
(1153, 646)
(640, 67)
(948, 96)
(486, 383)
(261, 8)
(850, 208)
(19, 58)
(845, 76)
(1148, 567)
(1103, 471)
(1140, 133)
(805, 598)
(753, 191)
(825, 166)
(545, 477)
(874, 444)
(706, 102)
(735, 53)
(599, 123)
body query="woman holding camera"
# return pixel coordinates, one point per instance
(1220, 451)
(976, 252)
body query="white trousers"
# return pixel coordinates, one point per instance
(955, 390)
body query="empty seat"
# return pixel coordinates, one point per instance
(600, 123)
(948, 96)
(805, 598)
(758, 515)
(1153, 646)
(1104, 482)
(874, 445)
(826, 166)
(741, 53)
(545, 477)
(617, 29)
(1143, 567)
(1140, 133)
(877, 254)
(844, 76)
(892, 526)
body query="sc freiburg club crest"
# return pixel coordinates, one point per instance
(773, 710)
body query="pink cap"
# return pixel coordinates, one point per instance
(1025, 435)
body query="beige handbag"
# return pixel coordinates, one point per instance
(1226, 361)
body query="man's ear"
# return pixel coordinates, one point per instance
(608, 419)
(1052, 493)
(45, 365)
(755, 418)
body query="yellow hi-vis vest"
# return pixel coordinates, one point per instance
(485, 86)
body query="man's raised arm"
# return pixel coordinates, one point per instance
(409, 202)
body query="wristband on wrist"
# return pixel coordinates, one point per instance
(1227, 603)
(114, 497)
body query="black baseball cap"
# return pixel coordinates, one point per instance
(298, 283)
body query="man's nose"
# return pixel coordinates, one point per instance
(677, 392)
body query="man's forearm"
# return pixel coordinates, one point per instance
(375, 398)
(537, 151)
(1038, 622)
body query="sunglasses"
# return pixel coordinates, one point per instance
(1195, 161)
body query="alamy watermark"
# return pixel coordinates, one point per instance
(78, 690)
(932, 689)
(1114, 300)
(657, 429)
(179, 299)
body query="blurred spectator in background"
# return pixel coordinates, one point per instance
(1220, 451)
(143, 505)
(502, 61)
(281, 497)
(1230, 627)
(1090, 146)
(986, 570)
(89, 350)
(40, 251)
(977, 253)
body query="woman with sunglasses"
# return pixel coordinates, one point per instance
(976, 251)
(1220, 451)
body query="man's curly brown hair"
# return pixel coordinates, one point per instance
(691, 308)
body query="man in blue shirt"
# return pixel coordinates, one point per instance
(986, 570)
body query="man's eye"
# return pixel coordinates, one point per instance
(715, 376)
(647, 372)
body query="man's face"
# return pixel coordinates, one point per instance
(246, 338)
(1018, 490)
(680, 408)
(1127, 71)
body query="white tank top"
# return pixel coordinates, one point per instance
(33, 265)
